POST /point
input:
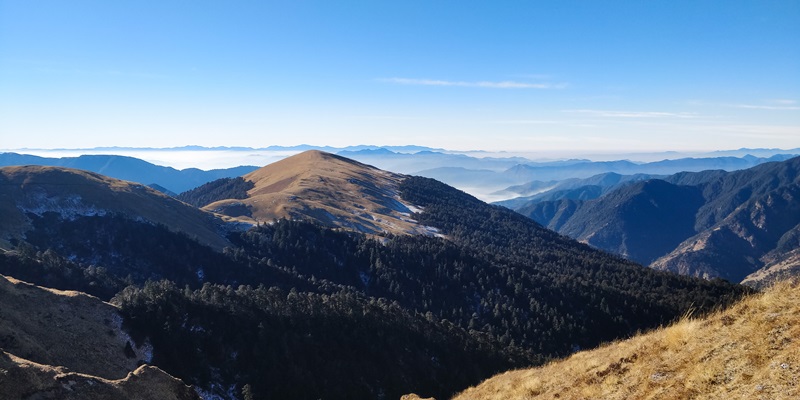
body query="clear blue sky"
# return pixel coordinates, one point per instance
(493, 75)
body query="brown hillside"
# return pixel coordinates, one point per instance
(65, 328)
(68, 345)
(331, 190)
(71, 193)
(784, 267)
(750, 351)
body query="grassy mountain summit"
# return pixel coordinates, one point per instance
(749, 351)
(332, 190)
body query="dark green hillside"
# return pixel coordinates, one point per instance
(708, 224)
(551, 214)
(101, 255)
(641, 221)
(586, 285)
(49, 269)
(300, 345)
(220, 189)
(536, 296)
(543, 293)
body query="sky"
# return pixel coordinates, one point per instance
(600, 76)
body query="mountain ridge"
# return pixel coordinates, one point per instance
(719, 224)
(35, 192)
(333, 190)
(459, 167)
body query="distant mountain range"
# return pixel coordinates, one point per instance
(758, 152)
(297, 148)
(571, 189)
(709, 224)
(490, 177)
(130, 169)
(587, 169)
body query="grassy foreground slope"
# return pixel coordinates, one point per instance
(68, 345)
(749, 351)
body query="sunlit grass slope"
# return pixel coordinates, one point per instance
(750, 351)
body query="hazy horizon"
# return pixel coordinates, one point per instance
(191, 156)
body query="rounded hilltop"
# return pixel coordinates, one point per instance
(331, 190)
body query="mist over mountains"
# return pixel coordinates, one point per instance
(490, 176)
(131, 169)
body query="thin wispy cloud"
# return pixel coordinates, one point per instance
(633, 114)
(386, 117)
(783, 101)
(763, 107)
(475, 84)
(526, 122)
(773, 104)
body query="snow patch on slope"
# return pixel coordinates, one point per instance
(410, 209)
(69, 207)
(144, 352)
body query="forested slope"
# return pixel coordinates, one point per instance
(294, 309)
(707, 224)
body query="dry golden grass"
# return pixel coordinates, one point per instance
(65, 328)
(68, 345)
(331, 190)
(750, 351)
